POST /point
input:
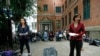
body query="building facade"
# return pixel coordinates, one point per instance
(58, 14)
(49, 15)
(89, 10)
(32, 19)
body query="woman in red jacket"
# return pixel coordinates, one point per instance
(76, 40)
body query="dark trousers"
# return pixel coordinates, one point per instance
(75, 44)
(22, 43)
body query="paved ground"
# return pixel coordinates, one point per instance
(62, 48)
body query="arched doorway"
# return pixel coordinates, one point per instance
(46, 24)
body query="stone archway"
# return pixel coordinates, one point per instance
(46, 24)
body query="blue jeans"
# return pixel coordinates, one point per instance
(45, 38)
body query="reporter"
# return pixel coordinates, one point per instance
(76, 27)
(23, 32)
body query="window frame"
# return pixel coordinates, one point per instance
(76, 10)
(86, 9)
(58, 10)
(45, 7)
(69, 17)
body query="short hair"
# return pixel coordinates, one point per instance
(75, 16)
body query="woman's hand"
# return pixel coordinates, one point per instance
(23, 34)
(20, 34)
(26, 33)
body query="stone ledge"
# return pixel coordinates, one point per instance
(93, 28)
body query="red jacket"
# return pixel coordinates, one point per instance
(80, 29)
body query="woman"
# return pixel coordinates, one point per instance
(23, 32)
(51, 35)
(76, 41)
(60, 35)
(45, 36)
(64, 34)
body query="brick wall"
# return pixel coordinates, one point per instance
(91, 23)
(51, 13)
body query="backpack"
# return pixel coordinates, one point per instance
(50, 52)
(7, 53)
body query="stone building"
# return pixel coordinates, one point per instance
(49, 16)
(58, 14)
(89, 10)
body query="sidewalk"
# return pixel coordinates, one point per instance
(62, 48)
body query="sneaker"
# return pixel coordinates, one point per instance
(19, 54)
(29, 54)
(82, 49)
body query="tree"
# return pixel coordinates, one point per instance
(22, 8)
(18, 8)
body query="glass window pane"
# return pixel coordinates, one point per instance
(58, 9)
(45, 7)
(86, 9)
(76, 10)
